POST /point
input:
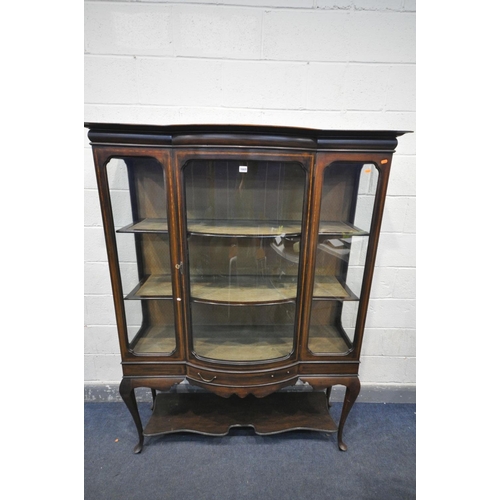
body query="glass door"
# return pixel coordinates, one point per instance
(347, 198)
(139, 205)
(244, 228)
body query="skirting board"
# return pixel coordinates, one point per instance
(370, 393)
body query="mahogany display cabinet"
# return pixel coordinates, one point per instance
(241, 260)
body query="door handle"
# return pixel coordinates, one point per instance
(205, 380)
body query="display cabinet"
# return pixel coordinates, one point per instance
(241, 260)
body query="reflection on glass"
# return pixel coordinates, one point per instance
(137, 190)
(345, 218)
(325, 330)
(251, 333)
(244, 198)
(150, 325)
(244, 223)
(243, 270)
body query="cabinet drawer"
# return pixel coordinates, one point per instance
(240, 379)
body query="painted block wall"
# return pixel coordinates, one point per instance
(337, 64)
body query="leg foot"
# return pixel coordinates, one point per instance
(128, 395)
(352, 390)
(138, 446)
(342, 446)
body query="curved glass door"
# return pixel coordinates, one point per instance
(244, 227)
(348, 194)
(139, 205)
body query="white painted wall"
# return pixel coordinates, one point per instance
(315, 63)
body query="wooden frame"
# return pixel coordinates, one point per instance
(159, 356)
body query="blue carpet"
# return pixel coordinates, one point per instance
(379, 464)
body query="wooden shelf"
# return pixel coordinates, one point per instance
(243, 289)
(156, 286)
(155, 339)
(146, 226)
(260, 229)
(342, 229)
(240, 290)
(328, 287)
(243, 342)
(256, 228)
(212, 415)
(325, 339)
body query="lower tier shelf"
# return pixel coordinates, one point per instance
(213, 415)
(243, 342)
(240, 342)
(156, 339)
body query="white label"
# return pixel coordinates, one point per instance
(243, 169)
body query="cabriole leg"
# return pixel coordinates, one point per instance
(328, 395)
(351, 393)
(128, 395)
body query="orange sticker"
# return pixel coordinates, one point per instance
(368, 170)
(383, 162)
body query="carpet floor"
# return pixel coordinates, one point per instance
(380, 463)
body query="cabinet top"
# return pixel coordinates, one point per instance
(242, 135)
